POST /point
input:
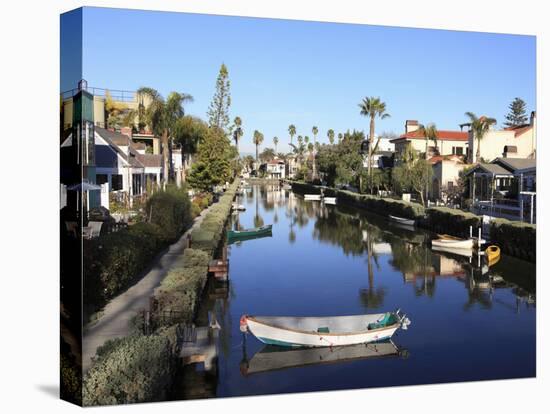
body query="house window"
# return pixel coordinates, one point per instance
(450, 185)
(458, 151)
(136, 184)
(101, 179)
(116, 182)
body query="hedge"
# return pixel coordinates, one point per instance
(452, 221)
(379, 205)
(132, 369)
(171, 211)
(208, 235)
(515, 238)
(180, 290)
(114, 261)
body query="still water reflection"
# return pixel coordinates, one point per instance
(468, 322)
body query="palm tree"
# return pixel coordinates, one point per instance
(275, 141)
(291, 131)
(340, 136)
(257, 138)
(238, 132)
(430, 134)
(479, 126)
(306, 140)
(372, 107)
(162, 116)
(315, 131)
(187, 133)
(330, 135)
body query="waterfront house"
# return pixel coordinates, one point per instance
(513, 142)
(446, 176)
(448, 142)
(276, 169)
(505, 187)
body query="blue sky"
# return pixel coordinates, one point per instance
(309, 73)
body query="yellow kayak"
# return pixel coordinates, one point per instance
(493, 254)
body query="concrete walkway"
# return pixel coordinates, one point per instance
(114, 322)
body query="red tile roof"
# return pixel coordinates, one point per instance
(519, 130)
(439, 158)
(441, 136)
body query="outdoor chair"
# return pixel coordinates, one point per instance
(92, 230)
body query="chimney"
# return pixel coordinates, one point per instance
(533, 118)
(411, 125)
(126, 131)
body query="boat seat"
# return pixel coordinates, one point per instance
(386, 320)
(323, 329)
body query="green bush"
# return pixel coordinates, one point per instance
(130, 370)
(452, 221)
(114, 261)
(170, 210)
(515, 238)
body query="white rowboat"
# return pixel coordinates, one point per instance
(453, 242)
(402, 220)
(312, 197)
(295, 331)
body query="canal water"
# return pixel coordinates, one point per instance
(469, 322)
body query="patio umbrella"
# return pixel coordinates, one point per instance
(84, 186)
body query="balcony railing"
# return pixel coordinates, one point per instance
(116, 94)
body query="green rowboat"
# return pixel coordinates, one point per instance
(233, 235)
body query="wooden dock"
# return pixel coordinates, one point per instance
(219, 268)
(202, 348)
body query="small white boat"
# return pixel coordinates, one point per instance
(453, 250)
(401, 220)
(447, 241)
(238, 207)
(295, 331)
(312, 197)
(329, 200)
(272, 358)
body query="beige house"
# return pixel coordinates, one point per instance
(448, 142)
(515, 142)
(446, 175)
(127, 100)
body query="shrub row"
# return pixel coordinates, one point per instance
(207, 236)
(114, 261)
(379, 205)
(515, 238)
(132, 369)
(140, 368)
(451, 221)
(180, 291)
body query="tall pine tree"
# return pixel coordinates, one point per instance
(218, 112)
(517, 115)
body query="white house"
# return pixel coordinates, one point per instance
(514, 142)
(276, 169)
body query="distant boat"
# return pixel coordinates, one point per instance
(329, 200)
(401, 220)
(238, 207)
(273, 358)
(249, 233)
(292, 331)
(312, 197)
(444, 240)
